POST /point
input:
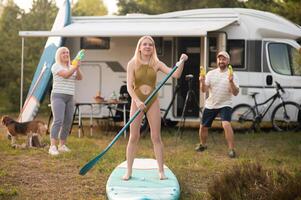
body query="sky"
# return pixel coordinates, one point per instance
(26, 4)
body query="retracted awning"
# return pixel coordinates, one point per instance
(137, 27)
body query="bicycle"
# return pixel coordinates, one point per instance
(286, 116)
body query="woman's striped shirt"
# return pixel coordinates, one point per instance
(62, 85)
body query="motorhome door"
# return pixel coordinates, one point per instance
(189, 81)
(282, 61)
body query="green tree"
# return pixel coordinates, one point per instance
(264, 5)
(40, 17)
(89, 8)
(10, 54)
(291, 9)
(1, 8)
(13, 20)
(151, 6)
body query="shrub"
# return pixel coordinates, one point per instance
(250, 181)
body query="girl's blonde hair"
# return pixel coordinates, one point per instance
(58, 55)
(137, 56)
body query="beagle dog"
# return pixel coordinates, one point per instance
(29, 129)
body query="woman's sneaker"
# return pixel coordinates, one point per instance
(64, 148)
(200, 148)
(53, 150)
(232, 153)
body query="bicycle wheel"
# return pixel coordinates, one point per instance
(243, 116)
(286, 117)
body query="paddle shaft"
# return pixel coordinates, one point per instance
(92, 162)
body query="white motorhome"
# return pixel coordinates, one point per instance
(263, 47)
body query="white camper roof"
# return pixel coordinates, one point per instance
(181, 23)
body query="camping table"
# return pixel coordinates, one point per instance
(108, 104)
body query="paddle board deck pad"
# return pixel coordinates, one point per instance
(42, 76)
(144, 183)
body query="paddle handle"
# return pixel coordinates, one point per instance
(92, 162)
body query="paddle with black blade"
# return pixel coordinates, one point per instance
(92, 162)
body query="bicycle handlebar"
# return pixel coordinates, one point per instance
(278, 86)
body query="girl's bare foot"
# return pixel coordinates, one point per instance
(126, 177)
(162, 176)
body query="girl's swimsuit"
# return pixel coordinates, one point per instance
(145, 75)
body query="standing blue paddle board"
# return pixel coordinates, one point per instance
(42, 76)
(144, 183)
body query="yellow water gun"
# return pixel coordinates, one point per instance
(202, 71)
(230, 69)
(80, 56)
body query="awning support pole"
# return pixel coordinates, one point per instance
(21, 84)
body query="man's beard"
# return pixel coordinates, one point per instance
(222, 66)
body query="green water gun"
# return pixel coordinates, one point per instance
(80, 56)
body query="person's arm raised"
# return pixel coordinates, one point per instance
(67, 73)
(233, 88)
(162, 67)
(204, 88)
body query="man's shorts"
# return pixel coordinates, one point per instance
(210, 114)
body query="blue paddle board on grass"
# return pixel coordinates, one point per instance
(144, 183)
(42, 76)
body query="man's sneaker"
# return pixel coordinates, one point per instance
(64, 148)
(232, 153)
(53, 150)
(200, 148)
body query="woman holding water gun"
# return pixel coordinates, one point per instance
(222, 84)
(65, 73)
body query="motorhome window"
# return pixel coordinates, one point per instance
(95, 43)
(279, 55)
(159, 45)
(236, 49)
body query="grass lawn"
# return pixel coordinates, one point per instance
(34, 174)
